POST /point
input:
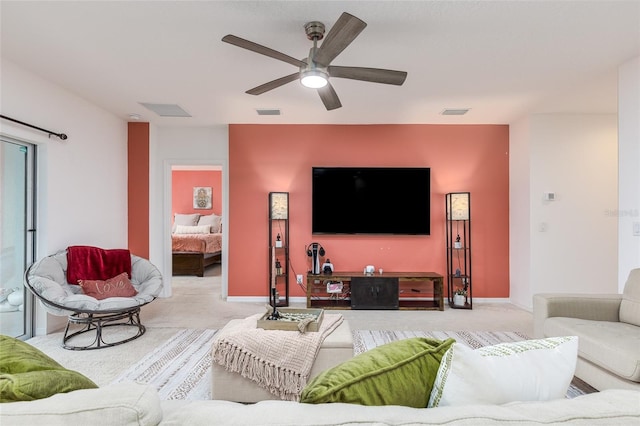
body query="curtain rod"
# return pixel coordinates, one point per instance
(62, 136)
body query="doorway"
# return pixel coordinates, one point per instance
(17, 235)
(197, 191)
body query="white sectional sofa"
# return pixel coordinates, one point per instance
(136, 404)
(608, 328)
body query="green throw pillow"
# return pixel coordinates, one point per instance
(398, 373)
(26, 373)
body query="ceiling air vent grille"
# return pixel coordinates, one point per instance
(268, 111)
(455, 111)
(166, 110)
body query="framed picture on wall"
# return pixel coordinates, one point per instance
(201, 197)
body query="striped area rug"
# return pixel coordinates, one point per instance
(363, 340)
(180, 368)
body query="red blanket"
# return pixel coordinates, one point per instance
(93, 263)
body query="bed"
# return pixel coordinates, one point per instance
(193, 246)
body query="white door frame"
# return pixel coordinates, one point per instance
(167, 211)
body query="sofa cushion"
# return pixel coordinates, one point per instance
(26, 373)
(610, 345)
(398, 373)
(531, 370)
(123, 404)
(612, 407)
(630, 304)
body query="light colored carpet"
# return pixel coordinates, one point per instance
(103, 365)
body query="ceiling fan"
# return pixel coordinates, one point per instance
(316, 69)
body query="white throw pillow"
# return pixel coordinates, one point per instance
(212, 220)
(181, 229)
(185, 220)
(531, 370)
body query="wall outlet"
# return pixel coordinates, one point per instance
(299, 279)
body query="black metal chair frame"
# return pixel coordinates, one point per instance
(94, 321)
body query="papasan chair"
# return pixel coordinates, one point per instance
(105, 298)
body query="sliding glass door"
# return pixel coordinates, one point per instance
(17, 172)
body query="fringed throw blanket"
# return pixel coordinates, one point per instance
(279, 361)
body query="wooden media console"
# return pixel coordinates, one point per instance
(390, 290)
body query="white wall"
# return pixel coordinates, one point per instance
(170, 146)
(519, 215)
(628, 210)
(573, 240)
(78, 202)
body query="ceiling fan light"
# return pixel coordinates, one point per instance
(313, 79)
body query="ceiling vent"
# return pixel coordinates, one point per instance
(455, 111)
(268, 111)
(166, 110)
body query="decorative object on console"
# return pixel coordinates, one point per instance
(315, 251)
(458, 231)
(279, 248)
(459, 298)
(327, 267)
(201, 197)
(369, 269)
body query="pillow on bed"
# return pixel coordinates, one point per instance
(180, 229)
(185, 220)
(212, 220)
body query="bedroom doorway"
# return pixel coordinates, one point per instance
(197, 206)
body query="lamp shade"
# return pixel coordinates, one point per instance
(279, 204)
(458, 205)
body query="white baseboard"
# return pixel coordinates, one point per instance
(491, 300)
(303, 300)
(262, 299)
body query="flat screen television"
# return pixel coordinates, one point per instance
(371, 200)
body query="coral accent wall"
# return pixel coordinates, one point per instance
(138, 188)
(182, 183)
(264, 158)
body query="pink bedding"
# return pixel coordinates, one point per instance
(200, 243)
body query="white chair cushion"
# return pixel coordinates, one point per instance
(49, 279)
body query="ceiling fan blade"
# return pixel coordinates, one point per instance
(329, 97)
(374, 75)
(274, 84)
(255, 47)
(343, 32)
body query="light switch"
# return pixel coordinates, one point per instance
(636, 229)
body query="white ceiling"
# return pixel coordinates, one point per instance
(501, 59)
